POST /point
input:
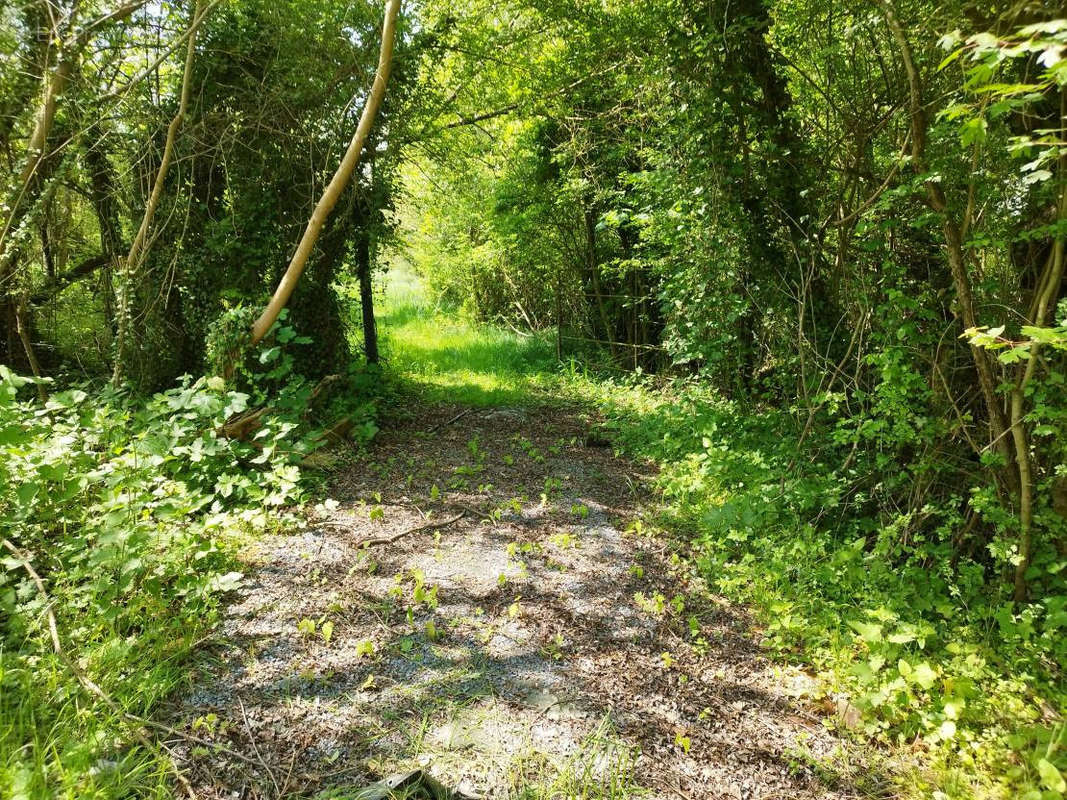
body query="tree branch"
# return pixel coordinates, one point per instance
(339, 181)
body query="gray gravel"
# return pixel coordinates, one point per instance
(524, 644)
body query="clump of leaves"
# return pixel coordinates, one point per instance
(132, 509)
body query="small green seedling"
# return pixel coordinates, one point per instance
(682, 741)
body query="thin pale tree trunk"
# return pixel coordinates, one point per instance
(27, 346)
(1047, 295)
(131, 265)
(935, 198)
(338, 183)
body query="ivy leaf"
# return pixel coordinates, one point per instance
(1051, 778)
(26, 493)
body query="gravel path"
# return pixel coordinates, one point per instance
(539, 645)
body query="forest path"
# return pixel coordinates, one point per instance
(533, 647)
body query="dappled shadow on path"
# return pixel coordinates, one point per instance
(536, 637)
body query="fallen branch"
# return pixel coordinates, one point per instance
(472, 510)
(255, 749)
(338, 432)
(321, 387)
(60, 282)
(242, 426)
(429, 526)
(456, 418)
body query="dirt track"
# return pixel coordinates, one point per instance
(537, 643)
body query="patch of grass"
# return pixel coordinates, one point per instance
(434, 353)
(602, 768)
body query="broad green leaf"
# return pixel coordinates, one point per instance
(924, 675)
(869, 632)
(1051, 777)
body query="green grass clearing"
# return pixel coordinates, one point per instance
(436, 354)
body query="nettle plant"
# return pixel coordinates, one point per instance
(130, 510)
(113, 490)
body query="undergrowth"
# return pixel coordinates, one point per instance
(132, 511)
(926, 655)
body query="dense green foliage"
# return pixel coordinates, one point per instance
(131, 510)
(833, 233)
(908, 648)
(274, 91)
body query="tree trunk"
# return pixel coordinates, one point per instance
(935, 198)
(139, 247)
(27, 344)
(337, 184)
(55, 83)
(102, 193)
(366, 296)
(593, 268)
(1018, 465)
(1048, 291)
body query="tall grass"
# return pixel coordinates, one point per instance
(443, 357)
